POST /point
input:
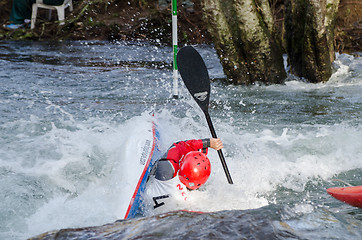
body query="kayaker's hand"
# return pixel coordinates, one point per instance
(216, 143)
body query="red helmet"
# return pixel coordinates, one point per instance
(195, 169)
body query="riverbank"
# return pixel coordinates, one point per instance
(112, 20)
(147, 20)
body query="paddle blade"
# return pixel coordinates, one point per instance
(194, 73)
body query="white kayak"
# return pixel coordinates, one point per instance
(141, 153)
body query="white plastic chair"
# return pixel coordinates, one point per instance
(60, 10)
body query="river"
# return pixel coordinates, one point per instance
(66, 107)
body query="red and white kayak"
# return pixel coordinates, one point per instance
(139, 154)
(349, 195)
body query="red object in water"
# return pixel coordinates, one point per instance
(350, 195)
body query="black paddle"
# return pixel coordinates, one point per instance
(194, 73)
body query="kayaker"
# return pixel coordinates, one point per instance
(183, 167)
(185, 156)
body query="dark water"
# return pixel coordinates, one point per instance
(67, 108)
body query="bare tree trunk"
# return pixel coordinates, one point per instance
(309, 32)
(244, 36)
(330, 23)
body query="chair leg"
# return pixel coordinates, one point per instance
(33, 15)
(60, 11)
(71, 6)
(49, 14)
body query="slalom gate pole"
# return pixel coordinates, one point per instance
(174, 46)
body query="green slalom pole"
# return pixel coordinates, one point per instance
(174, 45)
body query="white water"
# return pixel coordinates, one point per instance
(60, 159)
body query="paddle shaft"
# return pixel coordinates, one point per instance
(221, 155)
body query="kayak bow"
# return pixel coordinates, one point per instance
(349, 195)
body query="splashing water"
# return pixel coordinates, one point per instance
(68, 108)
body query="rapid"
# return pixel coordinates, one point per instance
(67, 109)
